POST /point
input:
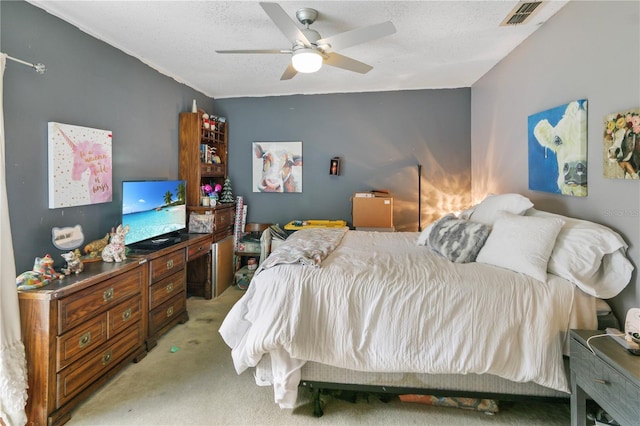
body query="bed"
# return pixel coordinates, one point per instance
(462, 308)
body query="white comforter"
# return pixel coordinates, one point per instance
(379, 302)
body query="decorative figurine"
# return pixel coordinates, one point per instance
(115, 250)
(41, 275)
(94, 248)
(74, 263)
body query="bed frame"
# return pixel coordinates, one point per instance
(319, 378)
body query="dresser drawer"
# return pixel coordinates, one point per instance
(222, 234)
(167, 288)
(86, 370)
(123, 315)
(604, 383)
(82, 340)
(80, 306)
(166, 265)
(194, 251)
(164, 313)
(224, 218)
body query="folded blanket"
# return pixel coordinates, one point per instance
(308, 247)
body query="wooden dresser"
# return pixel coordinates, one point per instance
(168, 270)
(78, 332)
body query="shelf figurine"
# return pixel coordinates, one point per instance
(227, 193)
(115, 250)
(41, 275)
(74, 263)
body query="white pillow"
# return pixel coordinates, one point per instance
(486, 212)
(424, 235)
(589, 255)
(521, 243)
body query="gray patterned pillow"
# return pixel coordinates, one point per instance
(456, 239)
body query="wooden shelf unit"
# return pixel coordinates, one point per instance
(192, 168)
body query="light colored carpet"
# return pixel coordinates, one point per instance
(197, 385)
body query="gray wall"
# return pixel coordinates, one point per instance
(380, 137)
(87, 83)
(588, 50)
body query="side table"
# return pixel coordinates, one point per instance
(611, 378)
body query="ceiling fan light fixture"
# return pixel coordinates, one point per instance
(306, 60)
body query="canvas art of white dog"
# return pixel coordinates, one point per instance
(567, 139)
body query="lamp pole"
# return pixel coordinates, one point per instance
(419, 197)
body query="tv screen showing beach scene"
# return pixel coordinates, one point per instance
(153, 208)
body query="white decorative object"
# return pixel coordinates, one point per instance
(67, 238)
(115, 250)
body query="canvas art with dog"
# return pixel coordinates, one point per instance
(558, 149)
(621, 145)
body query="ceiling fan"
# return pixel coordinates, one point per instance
(308, 50)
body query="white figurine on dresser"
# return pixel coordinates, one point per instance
(115, 250)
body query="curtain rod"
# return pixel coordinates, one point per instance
(40, 68)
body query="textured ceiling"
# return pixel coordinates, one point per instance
(438, 44)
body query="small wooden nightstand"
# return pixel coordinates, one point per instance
(611, 378)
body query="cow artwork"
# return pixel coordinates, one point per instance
(622, 145)
(558, 149)
(277, 167)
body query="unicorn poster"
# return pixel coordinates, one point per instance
(79, 165)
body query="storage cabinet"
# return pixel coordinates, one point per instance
(80, 331)
(199, 279)
(609, 375)
(196, 167)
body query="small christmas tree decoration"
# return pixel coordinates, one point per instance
(227, 193)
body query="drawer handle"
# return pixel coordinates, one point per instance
(108, 294)
(169, 287)
(170, 264)
(85, 339)
(107, 357)
(209, 169)
(126, 314)
(601, 381)
(169, 311)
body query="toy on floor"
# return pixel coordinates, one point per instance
(115, 250)
(41, 275)
(74, 263)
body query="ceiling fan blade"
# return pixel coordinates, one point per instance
(254, 51)
(289, 73)
(284, 23)
(344, 62)
(357, 36)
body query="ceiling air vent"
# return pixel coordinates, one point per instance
(521, 13)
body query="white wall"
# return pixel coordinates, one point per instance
(587, 50)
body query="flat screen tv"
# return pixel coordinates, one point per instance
(155, 211)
